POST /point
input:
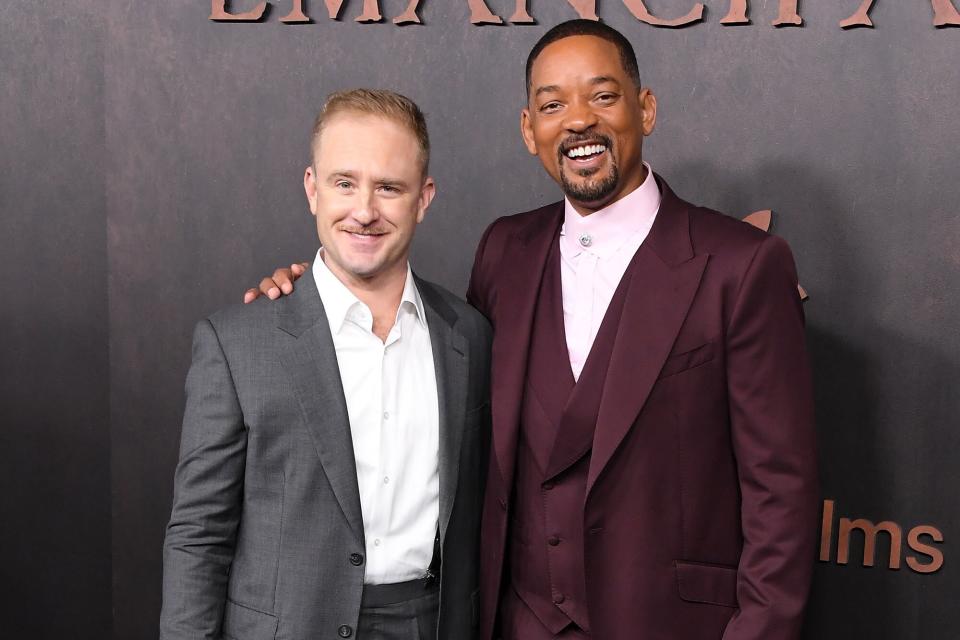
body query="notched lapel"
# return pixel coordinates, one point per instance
(311, 362)
(451, 367)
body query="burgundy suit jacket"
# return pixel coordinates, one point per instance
(702, 502)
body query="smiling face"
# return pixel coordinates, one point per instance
(367, 191)
(586, 120)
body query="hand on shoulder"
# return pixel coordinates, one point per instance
(279, 284)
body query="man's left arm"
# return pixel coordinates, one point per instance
(772, 425)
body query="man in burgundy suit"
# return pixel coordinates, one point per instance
(654, 469)
(653, 473)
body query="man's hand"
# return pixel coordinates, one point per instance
(281, 283)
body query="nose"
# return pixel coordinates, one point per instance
(365, 213)
(579, 116)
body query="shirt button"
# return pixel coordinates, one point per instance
(344, 631)
(553, 541)
(376, 542)
(557, 599)
(356, 559)
(386, 415)
(548, 486)
(386, 480)
(586, 240)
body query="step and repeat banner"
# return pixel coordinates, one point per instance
(156, 155)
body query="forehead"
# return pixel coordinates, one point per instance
(574, 59)
(363, 138)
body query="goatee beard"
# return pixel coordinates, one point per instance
(592, 190)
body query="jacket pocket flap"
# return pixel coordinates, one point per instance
(244, 623)
(707, 583)
(687, 359)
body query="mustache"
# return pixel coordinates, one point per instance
(363, 231)
(577, 139)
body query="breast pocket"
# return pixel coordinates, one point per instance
(688, 358)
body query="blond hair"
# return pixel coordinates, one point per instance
(377, 102)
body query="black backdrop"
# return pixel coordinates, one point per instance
(152, 165)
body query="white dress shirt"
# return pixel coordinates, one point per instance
(391, 395)
(595, 251)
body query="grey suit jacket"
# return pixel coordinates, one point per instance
(266, 527)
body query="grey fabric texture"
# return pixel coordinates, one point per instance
(266, 527)
(414, 619)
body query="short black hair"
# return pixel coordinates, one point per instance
(582, 27)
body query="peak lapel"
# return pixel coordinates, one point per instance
(450, 362)
(311, 362)
(665, 280)
(518, 285)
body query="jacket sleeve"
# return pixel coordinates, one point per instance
(772, 426)
(480, 291)
(208, 489)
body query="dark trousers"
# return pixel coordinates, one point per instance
(406, 611)
(518, 622)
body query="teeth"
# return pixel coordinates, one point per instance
(588, 150)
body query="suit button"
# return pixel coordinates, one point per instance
(557, 599)
(548, 485)
(356, 559)
(503, 503)
(344, 631)
(553, 541)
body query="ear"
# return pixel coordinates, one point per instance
(526, 130)
(427, 191)
(648, 110)
(310, 188)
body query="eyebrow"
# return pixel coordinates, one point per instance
(389, 182)
(603, 79)
(552, 88)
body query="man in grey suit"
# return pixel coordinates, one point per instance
(330, 474)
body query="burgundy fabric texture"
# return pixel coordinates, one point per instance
(521, 623)
(557, 426)
(699, 506)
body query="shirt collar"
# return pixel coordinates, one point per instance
(606, 230)
(341, 305)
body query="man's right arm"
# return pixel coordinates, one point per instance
(480, 293)
(208, 490)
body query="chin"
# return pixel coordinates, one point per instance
(364, 270)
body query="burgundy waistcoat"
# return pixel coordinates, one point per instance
(557, 423)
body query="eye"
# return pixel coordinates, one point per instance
(550, 107)
(606, 98)
(389, 188)
(342, 184)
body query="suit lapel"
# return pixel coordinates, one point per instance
(518, 284)
(665, 280)
(450, 367)
(311, 362)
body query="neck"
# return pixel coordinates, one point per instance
(381, 293)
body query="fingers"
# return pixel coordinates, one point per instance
(283, 278)
(280, 283)
(269, 288)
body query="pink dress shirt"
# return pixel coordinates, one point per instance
(594, 253)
